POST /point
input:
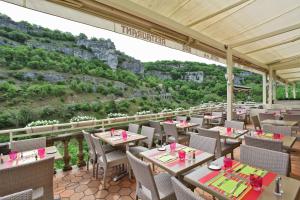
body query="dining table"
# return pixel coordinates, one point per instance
(278, 122)
(170, 162)
(29, 156)
(232, 134)
(234, 183)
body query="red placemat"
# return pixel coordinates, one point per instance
(180, 162)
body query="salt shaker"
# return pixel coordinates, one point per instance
(278, 191)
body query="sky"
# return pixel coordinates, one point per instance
(141, 50)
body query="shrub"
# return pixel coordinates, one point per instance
(80, 118)
(42, 123)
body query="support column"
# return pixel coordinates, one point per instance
(274, 86)
(294, 90)
(264, 89)
(229, 83)
(270, 87)
(286, 91)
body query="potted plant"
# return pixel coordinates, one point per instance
(117, 117)
(83, 121)
(142, 113)
(41, 126)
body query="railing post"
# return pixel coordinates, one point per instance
(80, 155)
(66, 157)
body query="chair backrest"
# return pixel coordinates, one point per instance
(219, 114)
(88, 139)
(170, 130)
(212, 134)
(23, 195)
(156, 125)
(197, 120)
(291, 117)
(256, 122)
(286, 130)
(28, 144)
(133, 128)
(274, 145)
(293, 112)
(203, 143)
(264, 116)
(182, 192)
(99, 149)
(143, 174)
(275, 161)
(183, 118)
(34, 175)
(272, 111)
(235, 124)
(149, 132)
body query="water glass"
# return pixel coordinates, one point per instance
(124, 135)
(276, 136)
(181, 155)
(173, 146)
(112, 132)
(13, 155)
(41, 152)
(227, 163)
(228, 129)
(256, 182)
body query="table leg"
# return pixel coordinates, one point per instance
(123, 173)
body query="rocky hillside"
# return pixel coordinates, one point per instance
(22, 33)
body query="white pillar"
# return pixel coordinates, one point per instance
(264, 89)
(270, 87)
(294, 90)
(274, 86)
(229, 83)
(286, 91)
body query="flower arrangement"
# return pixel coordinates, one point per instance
(166, 110)
(115, 115)
(179, 109)
(42, 123)
(81, 118)
(144, 112)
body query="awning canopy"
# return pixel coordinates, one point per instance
(263, 34)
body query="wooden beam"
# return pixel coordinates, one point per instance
(287, 65)
(284, 60)
(274, 45)
(229, 83)
(217, 13)
(181, 5)
(267, 35)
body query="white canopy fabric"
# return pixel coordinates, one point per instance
(263, 34)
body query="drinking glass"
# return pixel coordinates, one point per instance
(181, 155)
(13, 155)
(41, 152)
(124, 135)
(227, 163)
(276, 136)
(256, 182)
(173, 146)
(112, 132)
(228, 129)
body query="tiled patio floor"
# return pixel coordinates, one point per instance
(79, 183)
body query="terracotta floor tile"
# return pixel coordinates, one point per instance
(67, 193)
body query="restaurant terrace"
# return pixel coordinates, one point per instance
(233, 150)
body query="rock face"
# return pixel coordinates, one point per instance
(81, 47)
(194, 76)
(159, 74)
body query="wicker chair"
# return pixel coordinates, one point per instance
(202, 143)
(28, 145)
(256, 122)
(23, 195)
(149, 187)
(293, 117)
(222, 148)
(265, 116)
(107, 160)
(196, 120)
(293, 112)
(158, 133)
(146, 131)
(263, 143)
(275, 161)
(183, 192)
(37, 175)
(172, 134)
(286, 130)
(181, 118)
(218, 121)
(235, 124)
(133, 128)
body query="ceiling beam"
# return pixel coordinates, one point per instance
(292, 72)
(274, 45)
(267, 35)
(287, 65)
(181, 5)
(217, 13)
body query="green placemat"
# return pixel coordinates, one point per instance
(188, 149)
(251, 170)
(229, 185)
(166, 158)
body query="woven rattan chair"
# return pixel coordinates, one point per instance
(28, 144)
(37, 175)
(172, 134)
(222, 149)
(235, 124)
(183, 192)
(274, 145)
(265, 116)
(202, 143)
(256, 122)
(133, 128)
(158, 133)
(146, 131)
(149, 187)
(196, 120)
(218, 121)
(107, 160)
(181, 118)
(293, 117)
(293, 112)
(23, 195)
(275, 161)
(286, 130)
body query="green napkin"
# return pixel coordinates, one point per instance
(188, 149)
(268, 135)
(228, 185)
(251, 170)
(166, 158)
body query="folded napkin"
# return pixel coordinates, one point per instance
(247, 170)
(188, 149)
(228, 186)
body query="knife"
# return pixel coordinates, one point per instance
(240, 169)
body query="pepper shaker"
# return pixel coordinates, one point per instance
(194, 155)
(278, 191)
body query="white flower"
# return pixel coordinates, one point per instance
(42, 123)
(144, 112)
(179, 109)
(166, 110)
(81, 118)
(115, 115)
